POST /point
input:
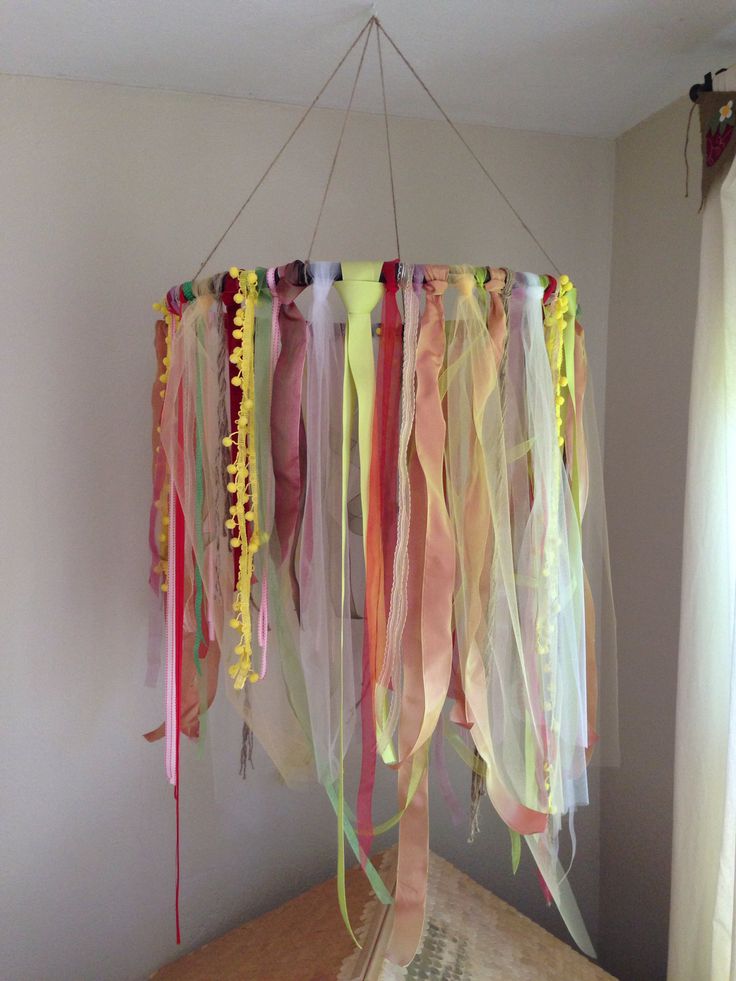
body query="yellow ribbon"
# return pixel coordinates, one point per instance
(360, 292)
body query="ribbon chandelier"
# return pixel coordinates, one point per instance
(371, 487)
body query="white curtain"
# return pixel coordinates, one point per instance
(702, 932)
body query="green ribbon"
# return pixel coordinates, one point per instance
(360, 292)
(347, 819)
(515, 850)
(569, 368)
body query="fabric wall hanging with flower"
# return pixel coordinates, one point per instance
(717, 121)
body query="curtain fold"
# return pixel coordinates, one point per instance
(704, 869)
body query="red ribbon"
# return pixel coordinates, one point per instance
(380, 538)
(179, 642)
(230, 287)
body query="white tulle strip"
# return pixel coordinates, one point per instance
(319, 564)
(548, 559)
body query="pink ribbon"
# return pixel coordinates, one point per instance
(287, 428)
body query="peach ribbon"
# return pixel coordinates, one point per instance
(428, 642)
(287, 428)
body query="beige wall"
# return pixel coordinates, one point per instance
(652, 316)
(108, 196)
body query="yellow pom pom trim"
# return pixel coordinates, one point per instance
(244, 486)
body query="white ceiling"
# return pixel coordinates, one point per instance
(592, 67)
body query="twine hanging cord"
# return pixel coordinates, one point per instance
(340, 138)
(685, 149)
(284, 145)
(388, 138)
(374, 21)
